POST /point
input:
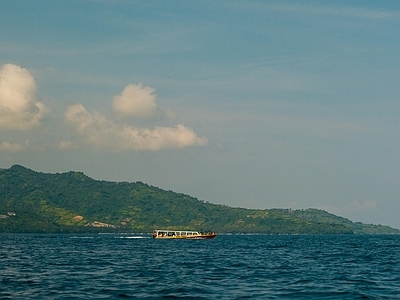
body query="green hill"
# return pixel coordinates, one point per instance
(73, 202)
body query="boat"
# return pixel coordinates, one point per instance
(182, 234)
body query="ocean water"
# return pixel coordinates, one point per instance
(107, 266)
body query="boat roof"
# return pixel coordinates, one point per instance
(164, 230)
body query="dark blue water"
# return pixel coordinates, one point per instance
(228, 267)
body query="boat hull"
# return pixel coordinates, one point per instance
(183, 235)
(199, 237)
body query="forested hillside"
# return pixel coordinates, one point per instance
(73, 202)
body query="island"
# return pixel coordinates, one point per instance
(32, 202)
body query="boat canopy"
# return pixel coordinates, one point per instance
(183, 234)
(178, 232)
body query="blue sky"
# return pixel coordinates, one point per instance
(257, 104)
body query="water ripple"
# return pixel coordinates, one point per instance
(228, 267)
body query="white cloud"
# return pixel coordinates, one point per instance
(136, 101)
(11, 147)
(100, 132)
(18, 108)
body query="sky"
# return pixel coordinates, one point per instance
(255, 104)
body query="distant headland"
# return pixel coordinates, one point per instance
(32, 201)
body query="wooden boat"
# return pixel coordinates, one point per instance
(182, 234)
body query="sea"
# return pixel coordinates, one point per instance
(134, 266)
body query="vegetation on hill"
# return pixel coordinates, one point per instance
(73, 202)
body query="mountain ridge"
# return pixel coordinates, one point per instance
(32, 201)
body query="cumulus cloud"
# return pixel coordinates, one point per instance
(11, 147)
(139, 101)
(136, 101)
(100, 132)
(18, 108)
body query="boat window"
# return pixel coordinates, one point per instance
(183, 233)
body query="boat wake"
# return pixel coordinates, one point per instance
(134, 237)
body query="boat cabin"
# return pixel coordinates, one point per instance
(180, 234)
